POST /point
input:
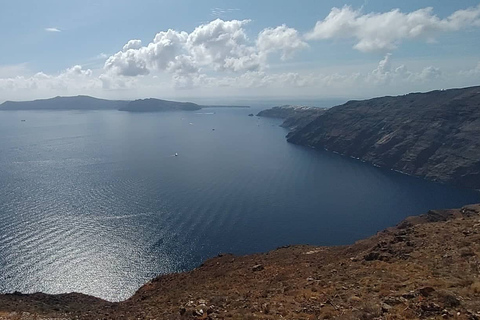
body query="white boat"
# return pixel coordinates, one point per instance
(176, 154)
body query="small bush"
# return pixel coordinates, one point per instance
(475, 287)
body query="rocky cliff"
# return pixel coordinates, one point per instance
(435, 135)
(427, 267)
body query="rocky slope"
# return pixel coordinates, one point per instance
(294, 116)
(435, 135)
(427, 267)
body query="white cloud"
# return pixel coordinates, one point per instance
(385, 31)
(101, 56)
(132, 44)
(386, 77)
(428, 73)
(224, 54)
(218, 46)
(53, 30)
(75, 79)
(136, 60)
(386, 74)
(282, 38)
(8, 71)
(127, 63)
(471, 72)
(218, 12)
(223, 45)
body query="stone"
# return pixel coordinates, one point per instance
(426, 291)
(258, 267)
(198, 312)
(386, 307)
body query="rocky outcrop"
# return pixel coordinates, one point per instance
(424, 268)
(435, 135)
(156, 105)
(294, 116)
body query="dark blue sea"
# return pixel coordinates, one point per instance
(97, 202)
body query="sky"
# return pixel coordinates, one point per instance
(227, 50)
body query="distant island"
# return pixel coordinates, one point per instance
(91, 103)
(65, 103)
(434, 135)
(155, 105)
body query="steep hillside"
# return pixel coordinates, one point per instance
(425, 268)
(435, 135)
(294, 116)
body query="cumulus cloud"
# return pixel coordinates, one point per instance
(222, 45)
(282, 38)
(74, 78)
(53, 30)
(132, 44)
(135, 59)
(283, 80)
(127, 63)
(182, 74)
(385, 73)
(384, 31)
(219, 46)
(475, 71)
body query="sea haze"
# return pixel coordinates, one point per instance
(96, 202)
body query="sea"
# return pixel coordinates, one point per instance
(100, 202)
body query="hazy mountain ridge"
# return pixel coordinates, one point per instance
(435, 135)
(154, 105)
(65, 103)
(91, 103)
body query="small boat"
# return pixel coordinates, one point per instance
(176, 154)
(23, 120)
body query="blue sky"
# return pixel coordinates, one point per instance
(224, 49)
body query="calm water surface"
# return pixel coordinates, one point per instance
(96, 202)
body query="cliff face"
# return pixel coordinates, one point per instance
(294, 116)
(425, 268)
(435, 135)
